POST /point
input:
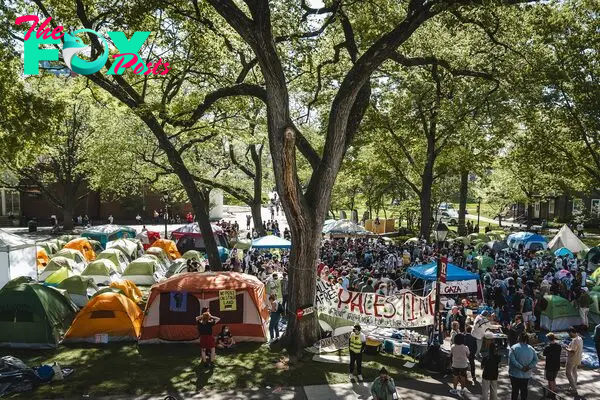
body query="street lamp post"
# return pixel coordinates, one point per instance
(478, 212)
(441, 231)
(165, 199)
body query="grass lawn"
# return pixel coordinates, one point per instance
(126, 369)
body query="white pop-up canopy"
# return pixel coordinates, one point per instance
(17, 257)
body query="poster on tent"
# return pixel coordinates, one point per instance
(458, 287)
(227, 300)
(406, 310)
(178, 301)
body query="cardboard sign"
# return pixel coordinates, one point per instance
(406, 310)
(330, 344)
(458, 287)
(227, 300)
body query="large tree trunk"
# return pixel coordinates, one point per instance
(462, 207)
(426, 188)
(529, 213)
(68, 207)
(67, 218)
(256, 210)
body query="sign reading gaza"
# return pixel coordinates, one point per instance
(127, 56)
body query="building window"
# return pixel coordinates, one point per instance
(595, 208)
(551, 206)
(578, 207)
(13, 203)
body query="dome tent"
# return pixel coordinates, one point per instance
(58, 276)
(79, 260)
(101, 271)
(54, 265)
(111, 314)
(169, 247)
(189, 237)
(165, 322)
(567, 239)
(560, 314)
(132, 248)
(529, 240)
(143, 271)
(129, 289)
(109, 232)
(79, 288)
(161, 256)
(33, 316)
(84, 246)
(116, 256)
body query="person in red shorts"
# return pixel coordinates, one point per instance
(205, 323)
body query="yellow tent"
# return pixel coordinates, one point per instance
(129, 288)
(58, 276)
(596, 274)
(169, 247)
(42, 258)
(108, 317)
(84, 246)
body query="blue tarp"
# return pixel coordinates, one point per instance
(428, 272)
(271, 242)
(109, 232)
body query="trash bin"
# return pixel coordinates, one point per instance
(32, 224)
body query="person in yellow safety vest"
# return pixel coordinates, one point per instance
(357, 342)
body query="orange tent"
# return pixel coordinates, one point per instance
(129, 288)
(173, 305)
(84, 246)
(42, 258)
(108, 317)
(169, 247)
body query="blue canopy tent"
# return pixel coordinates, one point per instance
(108, 233)
(428, 272)
(271, 242)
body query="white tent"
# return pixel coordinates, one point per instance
(566, 238)
(17, 257)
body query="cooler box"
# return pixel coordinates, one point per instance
(372, 346)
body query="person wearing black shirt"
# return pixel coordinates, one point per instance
(552, 353)
(516, 329)
(471, 343)
(490, 364)
(224, 339)
(205, 323)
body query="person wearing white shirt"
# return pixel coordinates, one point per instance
(574, 356)
(480, 325)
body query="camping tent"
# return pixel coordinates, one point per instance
(563, 252)
(112, 316)
(132, 248)
(238, 299)
(559, 315)
(80, 289)
(484, 262)
(593, 256)
(497, 245)
(116, 256)
(75, 255)
(18, 257)
(169, 247)
(193, 255)
(147, 238)
(54, 265)
(50, 247)
(42, 258)
(345, 227)
(101, 271)
(428, 272)
(161, 256)
(143, 271)
(189, 237)
(271, 242)
(84, 246)
(566, 238)
(180, 267)
(529, 240)
(107, 233)
(129, 288)
(33, 316)
(55, 278)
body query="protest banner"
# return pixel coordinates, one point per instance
(405, 310)
(458, 287)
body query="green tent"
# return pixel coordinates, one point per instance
(109, 290)
(18, 281)
(67, 238)
(142, 271)
(50, 247)
(559, 315)
(54, 265)
(74, 255)
(132, 248)
(160, 254)
(100, 271)
(58, 276)
(193, 255)
(116, 256)
(33, 316)
(177, 267)
(484, 262)
(242, 244)
(80, 289)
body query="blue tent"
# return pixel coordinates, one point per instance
(564, 252)
(527, 239)
(271, 242)
(428, 272)
(108, 233)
